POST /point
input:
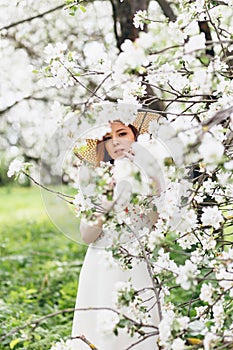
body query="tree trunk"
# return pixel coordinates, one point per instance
(123, 13)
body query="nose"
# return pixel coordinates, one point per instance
(115, 141)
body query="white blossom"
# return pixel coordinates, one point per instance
(106, 258)
(183, 322)
(207, 293)
(165, 327)
(211, 216)
(155, 238)
(187, 240)
(210, 340)
(180, 73)
(229, 165)
(164, 263)
(228, 335)
(211, 150)
(107, 320)
(178, 344)
(187, 222)
(186, 275)
(208, 243)
(197, 256)
(81, 202)
(56, 51)
(196, 42)
(139, 19)
(126, 182)
(178, 81)
(229, 2)
(132, 309)
(15, 167)
(62, 345)
(198, 327)
(119, 287)
(131, 57)
(200, 5)
(218, 315)
(224, 177)
(209, 185)
(225, 277)
(201, 312)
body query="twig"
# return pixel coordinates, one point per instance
(80, 83)
(218, 117)
(59, 194)
(86, 341)
(99, 86)
(149, 269)
(167, 9)
(35, 323)
(40, 15)
(141, 340)
(216, 30)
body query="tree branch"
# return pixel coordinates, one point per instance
(114, 14)
(218, 118)
(86, 341)
(204, 28)
(167, 10)
(35, 323)
(123, 14)
(40, 15)
(44, 99)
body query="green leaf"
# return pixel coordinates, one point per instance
(31, 291)
(205, 60)
(14, 342)
(82, 8)
(37, 336)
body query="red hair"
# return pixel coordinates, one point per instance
(101, 152)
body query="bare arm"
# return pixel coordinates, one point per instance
(90, 233)
(153, 214)
(153, 217)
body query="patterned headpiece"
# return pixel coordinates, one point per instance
(141, 123)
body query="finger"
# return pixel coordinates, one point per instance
(131, 151)
(128, 155)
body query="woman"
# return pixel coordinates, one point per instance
(98, 279)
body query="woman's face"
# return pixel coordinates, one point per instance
(119, 140)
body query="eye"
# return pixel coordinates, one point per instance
(122, 133)
(106, 138)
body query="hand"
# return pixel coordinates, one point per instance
(129, 154)
(105, 207)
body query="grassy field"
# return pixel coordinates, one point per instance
(39, 270)
(38, 275)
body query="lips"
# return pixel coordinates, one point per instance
(119, 150)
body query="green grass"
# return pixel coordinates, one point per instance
(20, 203)
(39, 272)
(40, 266)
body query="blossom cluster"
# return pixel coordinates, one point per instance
(181, 169)
(61, 66)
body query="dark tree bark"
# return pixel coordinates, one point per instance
(40, 15)
(123, 13)
(204, 28)
(167, 10)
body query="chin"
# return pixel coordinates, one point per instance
(120, 157)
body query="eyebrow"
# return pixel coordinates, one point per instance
(118, 130)
(122, 129)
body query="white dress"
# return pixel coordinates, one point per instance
(97, 282)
